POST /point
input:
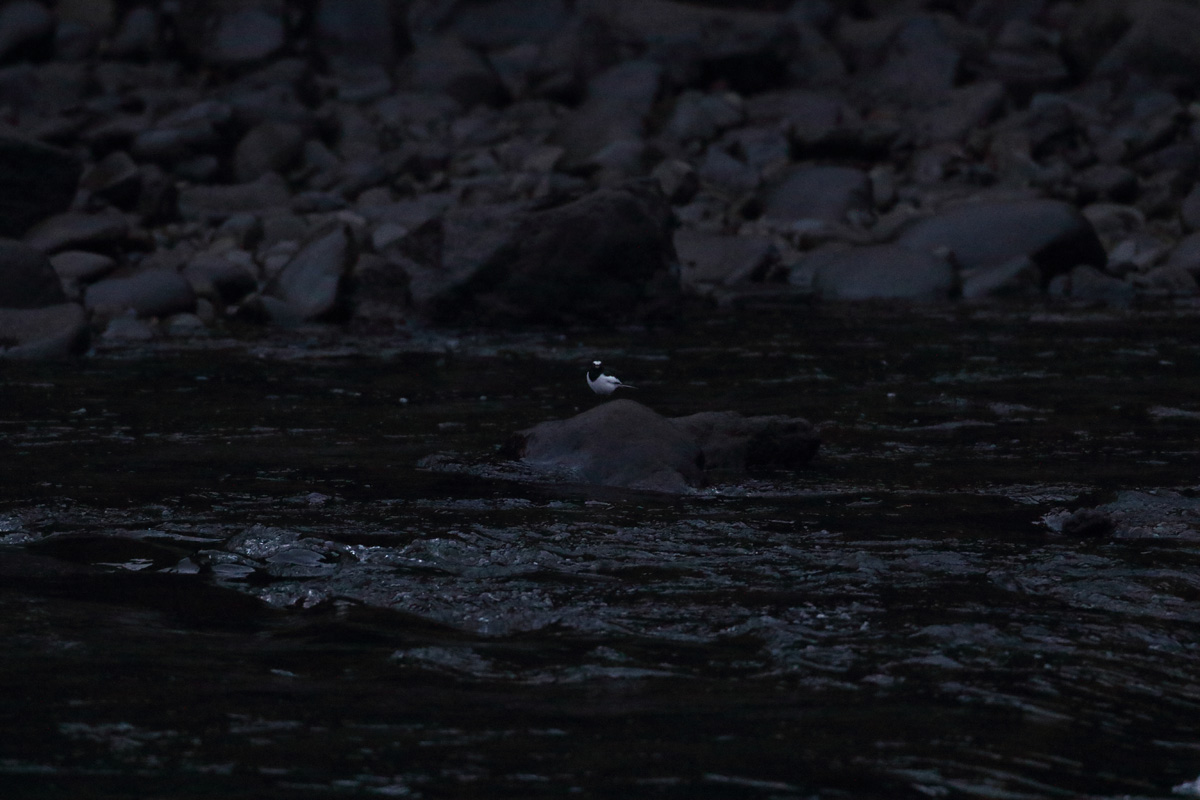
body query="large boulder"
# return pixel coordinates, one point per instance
(878, 272)
(43, 333)
(607, 256)
(36, 180)
(27, 279)
(618, 443)
(623, 443)
(150, 293)
(311, 286)
(982, 235)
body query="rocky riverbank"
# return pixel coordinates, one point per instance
(169, 167)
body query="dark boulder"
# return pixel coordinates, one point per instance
(27, 279)
(36, 180)
(618, 443)
(43, 333)
(605, 257)
(150, 293)
(311, 285)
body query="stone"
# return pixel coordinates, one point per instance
(1118, 37)
(499, 24)
(723, 172)
(311, 285)
(27, 279)
(150, 293)
(1053, 234)
(1189, 209)
(712, 259)
(267, 147)
(1017, 277)
(825, 193)
(618, 443)
(81, 265)
(703, 116)
(605, 257)
(233, 33)
(216, 277)
(36, 180)
(443, 252)
(877, 272)
(353, 34)
(1186, 254)
(1168, 280)
(1107, 182)
(961, 111)
(24, 25)
(50, 332)
(677, 180)
(618, 102)
(446, 66)
(216, 203)
(138, 34)
(114, 178)
(1090, 284)
(76, 229)
(920, 61)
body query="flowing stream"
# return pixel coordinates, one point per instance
(297, 567)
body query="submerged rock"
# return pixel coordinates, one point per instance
(625, 444)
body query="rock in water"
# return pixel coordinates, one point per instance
(623, 443)
(618, 443)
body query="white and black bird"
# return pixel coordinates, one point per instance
(604, 384)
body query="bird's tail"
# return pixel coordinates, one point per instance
(625, 386)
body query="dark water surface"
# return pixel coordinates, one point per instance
(251, 570)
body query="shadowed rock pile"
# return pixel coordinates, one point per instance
(548, 161)
(623, 443)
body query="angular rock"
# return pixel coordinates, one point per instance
(311, 285)
(605, 257)
(1186, 254)
(80, 265)
(43, 333)
(27, 279)
(219, 278)
(1053, 234)
(216, 203)
(1090, 284)
(115, 178)
(920, 61)
(618, 102)
(1117, 37)
(1017, 277)
(352, 34)
(446, 66)
(151, 293)
(826, 193)
(36, 180)
(24, 24)
(618, 443)
(75, 230)
(267, 147)
(711, 259)
(233, 33)
(878, 272)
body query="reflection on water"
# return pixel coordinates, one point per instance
(258, 571)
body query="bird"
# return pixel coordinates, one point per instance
(604, 384)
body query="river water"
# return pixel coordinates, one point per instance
(296, 566)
